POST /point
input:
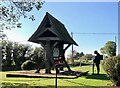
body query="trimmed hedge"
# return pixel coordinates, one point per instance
(112, 68)
(11, 68)
(28, 65)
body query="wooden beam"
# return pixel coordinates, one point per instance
(54, 44)
(63, 57)
(48, 38)
(67, 47)
(42, 44)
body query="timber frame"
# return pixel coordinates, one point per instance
(51, 34)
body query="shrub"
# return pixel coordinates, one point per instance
(112, 68)
(28, 65)
(70, 61)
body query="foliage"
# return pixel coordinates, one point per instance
(28, 65)
(70, 61)
(112, 68)
(109, 48)
(3, 48)
(78, 55)
(17, 50)
(38, 55)
(75, 55)
(88, 56)
(102, 50)
(14, 53)
(11, 12)
(81, 54)
(9, 53)
(86, 59)
(81, 63)
(6, 52)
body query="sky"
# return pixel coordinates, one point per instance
(81, 18)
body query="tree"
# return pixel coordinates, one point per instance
(16, 53)
(3, 52)
(11, 12)
(102, 51)
(89, 56)
(9, 53)
(38, 55)
(74, 55)
(6, 52)
(3, 48)
(81, 54)
(109, 48)
(112, 68)
(19, 53)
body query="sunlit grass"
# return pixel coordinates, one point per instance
(88, 80)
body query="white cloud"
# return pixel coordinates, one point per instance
(14, 36)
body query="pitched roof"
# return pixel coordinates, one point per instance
(57, 28)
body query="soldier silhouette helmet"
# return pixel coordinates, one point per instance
(95, 52)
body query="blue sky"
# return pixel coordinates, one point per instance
(78, 17)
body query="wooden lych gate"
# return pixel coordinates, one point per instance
(52, 35)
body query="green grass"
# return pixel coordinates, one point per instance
(91, 81)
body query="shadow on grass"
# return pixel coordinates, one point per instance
(96, 76)
(80, 84)
(17, 85)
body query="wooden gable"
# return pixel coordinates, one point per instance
(51, 28)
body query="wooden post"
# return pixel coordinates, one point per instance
(93, 68)
(56, 77)
(72, 44)
(63, 57)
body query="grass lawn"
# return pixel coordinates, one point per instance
(88, 81)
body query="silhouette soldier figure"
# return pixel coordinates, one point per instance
(96, 61)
